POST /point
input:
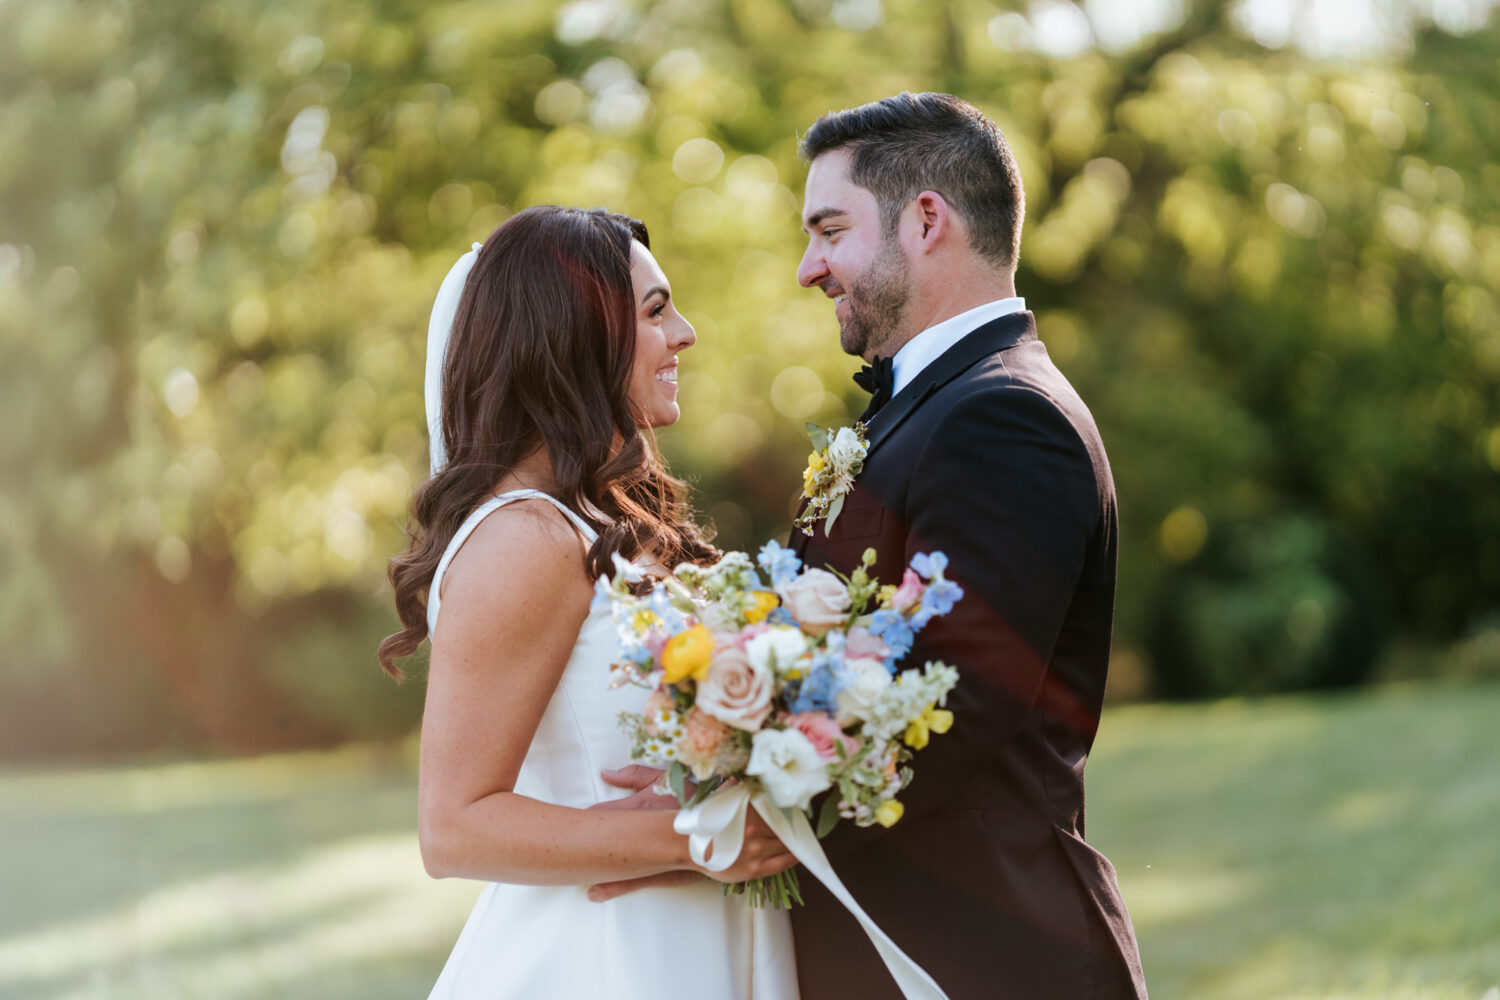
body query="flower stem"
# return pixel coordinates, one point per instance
(780, 891)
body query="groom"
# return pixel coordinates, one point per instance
(979, 448)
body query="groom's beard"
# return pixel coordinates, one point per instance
(877, 298)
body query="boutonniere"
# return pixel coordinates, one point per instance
(837, 457)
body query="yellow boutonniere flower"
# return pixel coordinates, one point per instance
(837, 458)
(933, 720)
(688, 654)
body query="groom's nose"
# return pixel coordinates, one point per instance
(813, 269)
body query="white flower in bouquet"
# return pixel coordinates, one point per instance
(737, 691)
(817, 599)
(864, 680)
(777, 649)
(788, 766)
(912, 700)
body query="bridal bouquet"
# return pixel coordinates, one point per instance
(782, 680)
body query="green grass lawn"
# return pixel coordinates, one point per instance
(1340, 847)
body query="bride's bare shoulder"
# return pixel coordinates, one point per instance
(527, 546)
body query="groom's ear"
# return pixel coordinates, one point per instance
(934, 218)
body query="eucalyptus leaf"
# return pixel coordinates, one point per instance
(677, 780)
(828, 816)
(705, 789)
(819, 437)
(833, 514)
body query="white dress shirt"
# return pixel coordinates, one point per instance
(929, 345)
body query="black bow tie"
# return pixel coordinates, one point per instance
(878, 378)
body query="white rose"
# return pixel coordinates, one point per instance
(864, 680)
(844, 450)
(788, 767)
(817, 599)
(777, 648)
(736, 692)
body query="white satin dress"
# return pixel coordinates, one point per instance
(551, 942)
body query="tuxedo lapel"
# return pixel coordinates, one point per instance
(1003, 333)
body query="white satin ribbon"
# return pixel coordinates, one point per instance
(718, 822)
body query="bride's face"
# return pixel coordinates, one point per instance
(660, 333)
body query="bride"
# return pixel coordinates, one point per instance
(563, 356)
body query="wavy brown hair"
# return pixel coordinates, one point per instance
(541, 356)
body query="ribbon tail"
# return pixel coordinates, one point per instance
(797, 834)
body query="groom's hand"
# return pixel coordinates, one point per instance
(605, 891)
(643, 781)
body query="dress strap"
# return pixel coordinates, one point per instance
(484, 510)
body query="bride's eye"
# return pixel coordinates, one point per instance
(658, 310)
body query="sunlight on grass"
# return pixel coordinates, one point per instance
(1310, 848)
(347, 905)
(1338, 848)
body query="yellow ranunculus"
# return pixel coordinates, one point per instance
(688, 654)
(933, 720)
(762, 603)
(888, 812)
(816, 462)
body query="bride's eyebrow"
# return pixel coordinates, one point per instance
(663, 290)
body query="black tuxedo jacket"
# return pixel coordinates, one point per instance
(986, 882)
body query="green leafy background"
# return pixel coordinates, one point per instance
(1271, 273)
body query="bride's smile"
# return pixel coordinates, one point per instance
(661, 334)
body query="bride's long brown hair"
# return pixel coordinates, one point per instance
(541, 356)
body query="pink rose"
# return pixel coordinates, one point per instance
(817, 599)
(823, 733)
(861, 645)
(737, 692)
(750, 632)
(909, 593)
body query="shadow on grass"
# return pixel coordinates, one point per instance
(80, 843)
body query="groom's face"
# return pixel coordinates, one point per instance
(850, 260)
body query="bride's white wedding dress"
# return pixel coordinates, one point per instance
(551, 942)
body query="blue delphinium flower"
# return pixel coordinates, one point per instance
(937, 599)
(660, 604)
(818, 689)
(781, 564)
(781, 616)
(892, 629)
(929, 566)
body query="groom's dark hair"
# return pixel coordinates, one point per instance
(910, 143)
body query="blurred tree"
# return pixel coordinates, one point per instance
(1273, 279)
